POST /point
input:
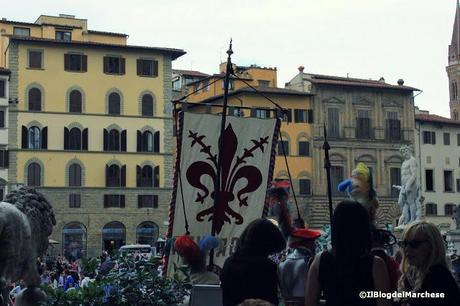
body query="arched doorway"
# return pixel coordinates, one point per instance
(74, 240)
(113, 236)
(147, 233)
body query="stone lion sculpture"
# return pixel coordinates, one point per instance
(26, 222)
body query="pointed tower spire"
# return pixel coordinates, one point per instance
(454, 47)
(453, 68)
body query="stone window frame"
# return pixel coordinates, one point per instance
(392, 161)
(304, 175)
(434, 205)
(147, 128)
(42, 51)
(83, 99)
(301, 137)
(42, 171)
(452, 171)
(107, 94)
(120, 166)
(79, 126)
(154, 225)
(115, 126)
(372, 124)
(449, 205)
(341, 112)
(141, 95)
(338, 160)
(67, 172)
(26, 98)
(391, 108)
(85, 229)
(40, 126)
(151, 164)
(148, 164)
(105, 226)
(287, 138)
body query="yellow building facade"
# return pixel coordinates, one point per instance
(91, 129)
(296, 127)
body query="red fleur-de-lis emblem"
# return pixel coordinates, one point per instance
(233, 169)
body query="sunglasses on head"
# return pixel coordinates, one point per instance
(413, 244)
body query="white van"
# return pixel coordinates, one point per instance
(145, 250)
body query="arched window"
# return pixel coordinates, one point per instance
(147, 105)
(145, 176)
(74, 240)
(114, 104)
(34, 174)
(147, 142)
(114, 140)
(35, 99)
(75, 139)
(34, 138)
(147, 233)
(113, 176)
(75, 102)
(113, 236)
(75, 175)
(431, 209)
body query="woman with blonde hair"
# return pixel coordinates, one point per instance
(424, 267)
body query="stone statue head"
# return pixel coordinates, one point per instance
(406, 151)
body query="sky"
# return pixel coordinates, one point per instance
(366, 39)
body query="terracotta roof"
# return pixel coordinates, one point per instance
(219, 76)
(20, 23)
(435, 119)
(4, 71)
(335, 80)
(174, 52)
(264, 90)
(107, 33)
(273, 90)
(190, 73)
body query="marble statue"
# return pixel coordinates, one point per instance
(409, 191)
(456, 216)
(26, 222)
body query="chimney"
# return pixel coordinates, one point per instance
(400, 82)
(301, 68)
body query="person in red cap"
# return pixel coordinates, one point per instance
(293, 271)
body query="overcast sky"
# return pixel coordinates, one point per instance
(395, 39)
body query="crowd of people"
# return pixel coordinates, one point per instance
(355, 265)
(61, 272)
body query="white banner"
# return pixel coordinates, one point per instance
(246, 172)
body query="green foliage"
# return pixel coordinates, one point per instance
(133, 283)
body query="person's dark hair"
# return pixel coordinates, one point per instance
(260, 238)
(351, 231)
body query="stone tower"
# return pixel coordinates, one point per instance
(453, 68)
